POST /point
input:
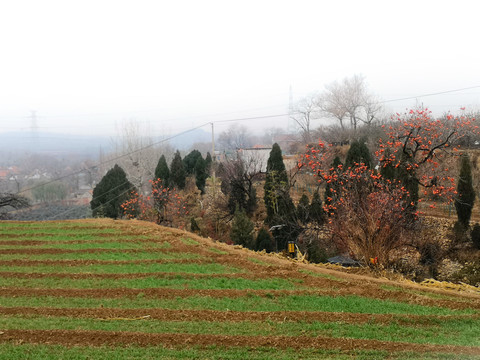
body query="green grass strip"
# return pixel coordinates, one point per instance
(61, 242)
(108, 256)
(54, 352)
(177, 282)
(59, 231)
(188, 241)
(252, 302)
(463, 332)
(209, 268)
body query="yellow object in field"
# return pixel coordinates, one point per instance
(291, 247)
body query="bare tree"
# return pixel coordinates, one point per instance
(10, 201)
(350, 101)
(238, 181)
(235, 137)
(304, 112)
(139, 156)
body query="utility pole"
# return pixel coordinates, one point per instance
(290, 124)
(213, 162)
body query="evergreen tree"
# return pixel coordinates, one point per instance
(358, 153)
(110, 193)
(190, 161)
(161, 171)
(177, 172)
(279, 205)
(303, 209)
(277, 198)
(201, 174)
(316, 212)
(465, 192)
(208, 162)
(264, 241)
(242, 230)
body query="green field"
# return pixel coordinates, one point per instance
(117, 289)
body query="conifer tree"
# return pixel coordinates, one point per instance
(316, 212)
(303, 209)
(264, 241)
(358, 153)
(161, 171)
(242, 230)
(208, 162)
(190, 161)
(110, 193)
(201, 174)
(177, 172)
(465, 193)
(277, 198)
(279, 205)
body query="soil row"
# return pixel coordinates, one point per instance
(25, 238)
(223, 316)
(168, 293)
(37, 243)
(102, 338)
(31, 251)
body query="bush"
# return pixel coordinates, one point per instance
(242, 230)
(264, 241)
(316, 253)
(475, 234)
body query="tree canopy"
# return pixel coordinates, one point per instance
(110, 193)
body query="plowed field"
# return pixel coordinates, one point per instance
(125, 289)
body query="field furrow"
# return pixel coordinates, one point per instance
(128, 286)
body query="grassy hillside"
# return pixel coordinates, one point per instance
(125, 289)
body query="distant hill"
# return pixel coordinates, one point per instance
(185, 141)
(53, 143)
(83, 145)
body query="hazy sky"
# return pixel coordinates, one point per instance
(84, 65)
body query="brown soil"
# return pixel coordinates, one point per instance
(234, 316)
(89, 251)
(101, 338)
(349, 284)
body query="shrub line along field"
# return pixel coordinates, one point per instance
(70, 285)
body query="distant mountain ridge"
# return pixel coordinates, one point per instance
(87, 145)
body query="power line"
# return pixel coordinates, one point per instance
(429, 94)
(147, 147)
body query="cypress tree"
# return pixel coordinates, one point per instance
(177, 172)
(161, 171)
(465, 192)
(208, 162)
(358, 153)
(242, 230)
(264, 241)
(190, 161)
(303, 209)
(279, 205)
(110, 193)
(277, 199)
(201, 174)
(316, 212)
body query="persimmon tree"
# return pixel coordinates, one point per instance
(371, 210)
(416, 146)
(163, 205)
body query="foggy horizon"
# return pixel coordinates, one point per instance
(88, 68)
